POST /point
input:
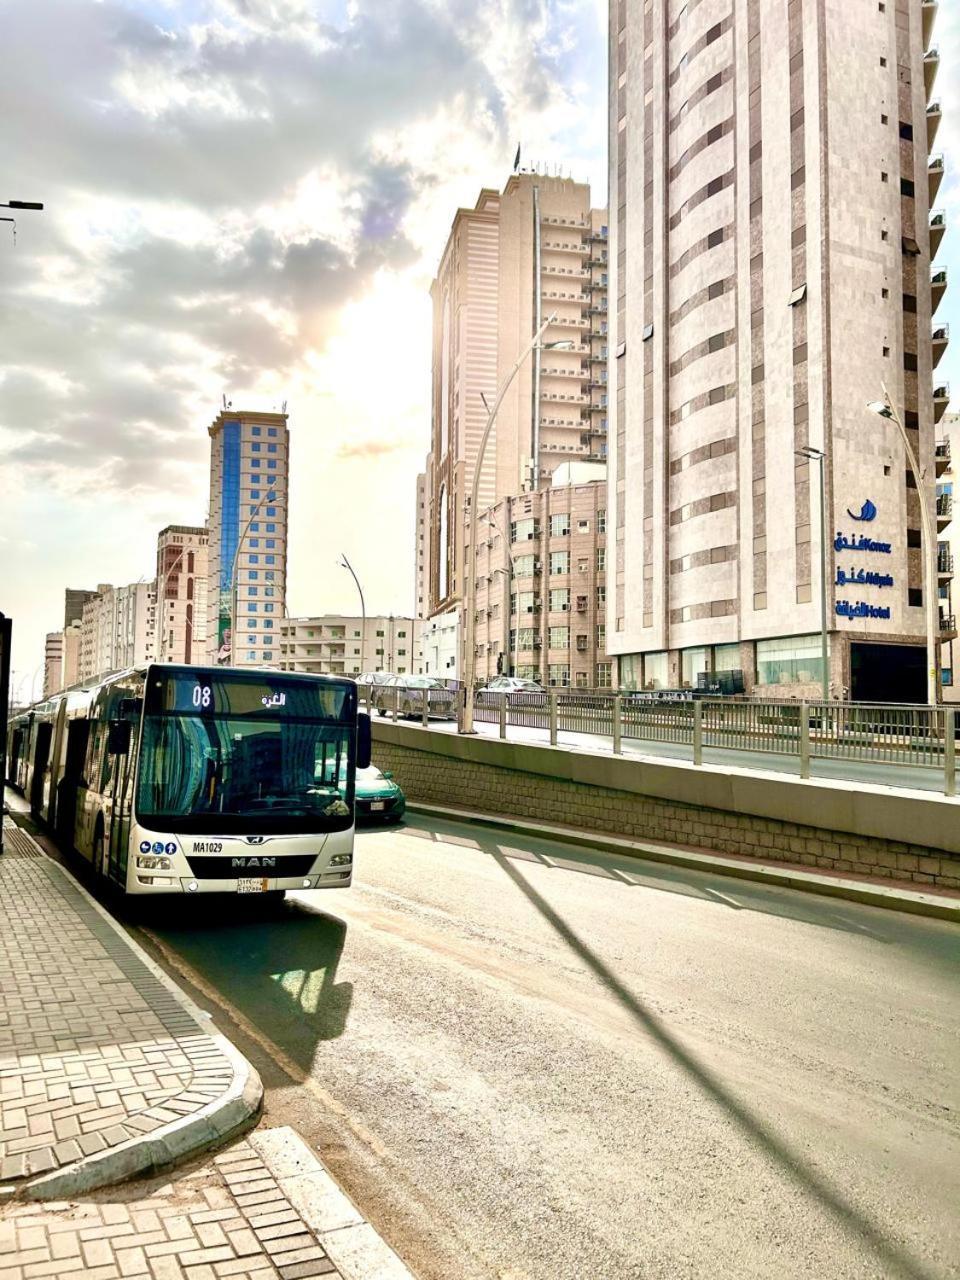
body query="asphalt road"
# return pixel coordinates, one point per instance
(524, 1060)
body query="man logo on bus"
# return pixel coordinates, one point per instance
(242, 863)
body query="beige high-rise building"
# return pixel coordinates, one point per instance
(53, 663)
(534, 250)
(118, 629)
(421, 583)
(182, 593)
(541, 583)
(70, 671)
(948, 552)
(771, 247)
(249, 473)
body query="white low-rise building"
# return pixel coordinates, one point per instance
(337, 644)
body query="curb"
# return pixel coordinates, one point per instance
(354, 1246)
(874, 895)
(174, 1142)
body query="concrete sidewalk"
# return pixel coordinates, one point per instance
(107, 1070)
(266, 1209)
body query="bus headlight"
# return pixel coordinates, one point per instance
(341, 860)
(153, 864)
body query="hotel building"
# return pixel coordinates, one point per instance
(771, 268)
(535, 250)
(249, 470)
(338, 645)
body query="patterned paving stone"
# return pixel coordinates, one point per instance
(162, 1231)
(94, 1049)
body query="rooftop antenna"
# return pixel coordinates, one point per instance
(283, 407)
(224, 400)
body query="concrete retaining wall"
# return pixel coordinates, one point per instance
(844, 826)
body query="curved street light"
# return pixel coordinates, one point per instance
(469, 627)
(345, 564)
(884, 409)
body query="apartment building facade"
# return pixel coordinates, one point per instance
(53, 663)
(771, 249)
(541, 583)
(182, 593)
(341, 645)
(249, 486)
(118, 629)
(948, 551)
(535, 250)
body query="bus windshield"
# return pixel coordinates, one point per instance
(227, 755)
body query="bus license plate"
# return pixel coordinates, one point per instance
(377, 805)
(252, 886)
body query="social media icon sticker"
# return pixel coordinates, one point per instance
(144, 846)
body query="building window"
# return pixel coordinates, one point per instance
(601, 596)
(559, 561)
(559, 599)
(790, 660)
(271, 431)
(254, 462)
(559, 526)
(604, 675)
(523, 530)
(559, 637)
(601, 559)
(558, 674)
(271, 448)
(601, 521)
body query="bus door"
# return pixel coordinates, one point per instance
(121, 808)
(78, 734)
(41, 761)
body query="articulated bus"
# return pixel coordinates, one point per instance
(181, 779)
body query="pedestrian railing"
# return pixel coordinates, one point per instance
(896, 735)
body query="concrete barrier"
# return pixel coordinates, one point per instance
(845, 826)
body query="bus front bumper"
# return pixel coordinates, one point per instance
(149, 882)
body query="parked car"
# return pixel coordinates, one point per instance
(378, 798)
(512, 684)
(405, 695)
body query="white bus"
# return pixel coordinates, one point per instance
(177, 779)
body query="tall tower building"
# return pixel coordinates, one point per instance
(771, 250)
(182, 593)
(534, 250)
(249, 471)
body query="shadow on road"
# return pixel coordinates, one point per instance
(893, 1259)
(278, 967)
(732, 893)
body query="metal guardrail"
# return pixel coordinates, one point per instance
(856, 733)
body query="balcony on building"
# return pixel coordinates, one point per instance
(940, 338)
(948, 626)
(938, 287)
(941, 398)
(931, 65)
(944, 560)
(934, 176)
(934, 115)
(941, 456)
(579, 247)
(564, 270)
(944, 510)
(938, 225)
(928, 13)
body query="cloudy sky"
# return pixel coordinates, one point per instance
(249, 197)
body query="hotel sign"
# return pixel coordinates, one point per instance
(858, 577)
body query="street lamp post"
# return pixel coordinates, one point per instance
(928, 549)
(817, 455)
(267, 497)
(345, 564)
(18, 204)
(469, 627)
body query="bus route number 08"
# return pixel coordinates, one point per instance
(202, 696)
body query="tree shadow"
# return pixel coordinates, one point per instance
(893, 1259)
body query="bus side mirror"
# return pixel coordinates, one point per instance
(364, 741)
(118, 737)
